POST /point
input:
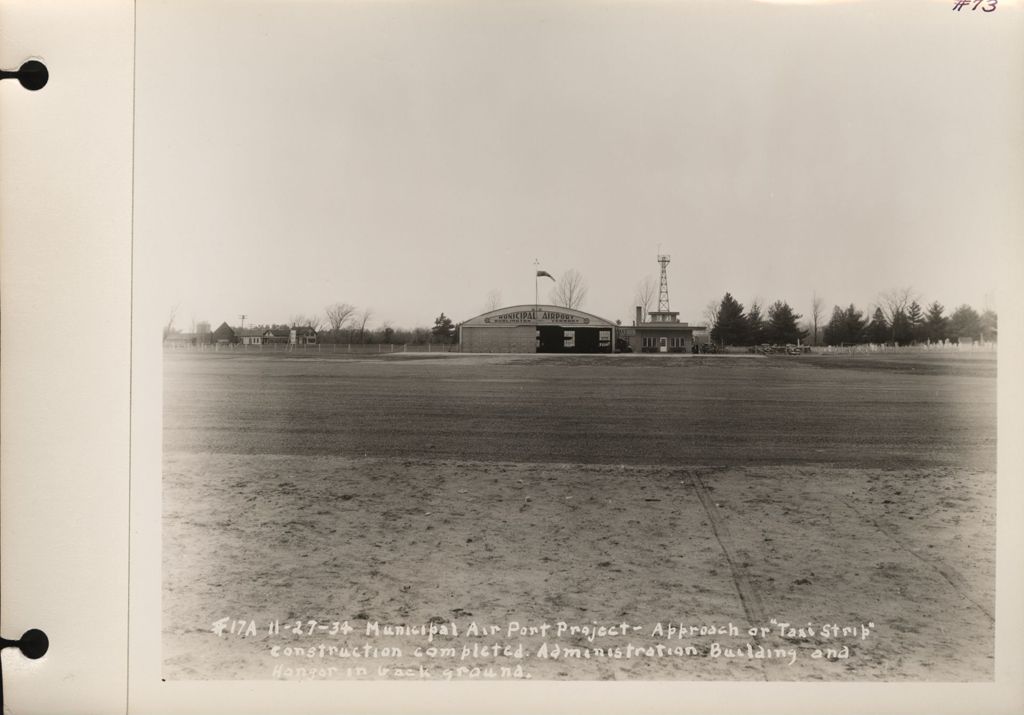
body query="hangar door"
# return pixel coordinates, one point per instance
(562, 339)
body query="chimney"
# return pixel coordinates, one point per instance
(639, 315)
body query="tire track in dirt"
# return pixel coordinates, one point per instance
(749, 597)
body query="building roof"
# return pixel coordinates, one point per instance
(537, 315)
(661, 327)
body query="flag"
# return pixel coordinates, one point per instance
(545, 273)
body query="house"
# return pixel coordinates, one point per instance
(224, 335)
(302, 336)
(250, 336)
(276, 336)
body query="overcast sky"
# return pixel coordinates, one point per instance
(414, 157)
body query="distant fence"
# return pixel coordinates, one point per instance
(873, 349)
(338, 348)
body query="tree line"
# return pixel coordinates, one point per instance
(341, 323)
(732, 325)
(898, 319)
(910, 325)
(347, 324)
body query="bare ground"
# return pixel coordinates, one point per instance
(883, 514)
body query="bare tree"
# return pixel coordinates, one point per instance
(711, 313)
(894, 306)
(493, 301)
(816, 307)
(364, 318)
(646, 290)
(569, 290)
(895, 302)
(338, 315)
(169, 327)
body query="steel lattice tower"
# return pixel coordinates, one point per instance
(663, 288)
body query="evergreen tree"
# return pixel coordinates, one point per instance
(443, 328)
(782, 327)
(900, 329)
(855, 325)
(755, 325)
(936, 325)
(877, 330)
(731, 324)
(835, 329)
(915, 316)
(965, 323)
(846, 327)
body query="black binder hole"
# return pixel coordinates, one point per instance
(33, 76)
(34, 643)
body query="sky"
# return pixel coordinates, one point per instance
(414, 157)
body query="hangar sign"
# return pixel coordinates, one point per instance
(540, 316)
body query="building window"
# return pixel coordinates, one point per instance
(648, 342)
(569, 338)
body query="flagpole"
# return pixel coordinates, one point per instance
(536, 299)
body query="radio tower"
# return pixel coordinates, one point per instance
(663, 288)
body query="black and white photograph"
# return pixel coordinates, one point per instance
(576, 341)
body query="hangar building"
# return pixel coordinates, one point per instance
(537, 329)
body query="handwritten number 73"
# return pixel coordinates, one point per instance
(985, 5)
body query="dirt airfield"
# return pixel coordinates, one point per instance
(412, 516)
